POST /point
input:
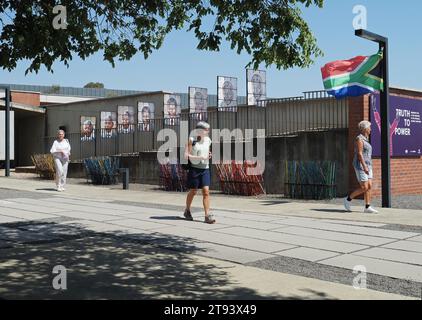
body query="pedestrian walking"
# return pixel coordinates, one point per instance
(362, 163)
(197, 151)
(61, 153)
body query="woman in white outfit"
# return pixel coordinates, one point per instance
(61, 153)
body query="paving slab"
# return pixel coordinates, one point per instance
(353, 223)
(30, 208)
(392, 255)
(247, 216)
(198, 222)
(88, 216)
(302, 241)
(377, 266)
(133, 271)
(227, 239)
(53, 229)
(336, 236)
(244, 223)
(348, 229)
(206, 249)
(99, 204)
(103, 227)
(19, 236)
(80, 207)
(227, 253)
(405, 245)
(417, 239)
(7, 219)
(139, 224)
(26, 215)
(307, 254)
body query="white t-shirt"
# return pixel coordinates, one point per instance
(202, 149)
(63, 146)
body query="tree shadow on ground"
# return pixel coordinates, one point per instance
(115, 265)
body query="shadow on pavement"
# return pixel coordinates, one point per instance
(114, 265)
(273, 202)
(166, 218)
(330, 210)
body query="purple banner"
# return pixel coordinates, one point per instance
(405, 126)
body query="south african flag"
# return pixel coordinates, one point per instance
(354, 77)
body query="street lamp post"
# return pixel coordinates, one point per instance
(385, 115)
(7, 129)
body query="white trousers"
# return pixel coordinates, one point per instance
(61, 172)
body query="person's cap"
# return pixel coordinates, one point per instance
(202, 125)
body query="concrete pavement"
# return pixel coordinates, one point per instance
(268, 250)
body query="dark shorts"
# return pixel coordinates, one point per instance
(199, 178)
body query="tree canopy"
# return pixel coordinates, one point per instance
(272, 32)
(94, 85)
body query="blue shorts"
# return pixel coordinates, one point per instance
(199, 178)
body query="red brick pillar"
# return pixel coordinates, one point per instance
(358, 111)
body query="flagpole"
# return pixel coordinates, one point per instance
(7, 99)
(385, 116)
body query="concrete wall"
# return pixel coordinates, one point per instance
(311, 146)
(69, 114)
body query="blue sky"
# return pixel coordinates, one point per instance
(178, 64)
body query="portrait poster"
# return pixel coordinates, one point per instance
(172, 109)
(108, 124)
(198, 103)
(87, 128)
(227, 93)
(146, 113)
(126, 119)
(256, 86)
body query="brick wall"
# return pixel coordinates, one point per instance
(30, 98)
(406, 172)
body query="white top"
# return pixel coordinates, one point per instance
(201, 149)
(59, 147)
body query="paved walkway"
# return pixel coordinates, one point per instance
(312, 248)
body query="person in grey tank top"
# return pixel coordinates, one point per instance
(362, 163)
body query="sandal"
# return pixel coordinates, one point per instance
(210, 219)
(188, 215)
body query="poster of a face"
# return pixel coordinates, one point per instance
(227, 93)
(171, 109)
(87, 128)
(198, 102)
(108, 124)
(145, 116)
(126, 119)
(256, 85)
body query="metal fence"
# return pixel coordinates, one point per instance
(279, 117)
